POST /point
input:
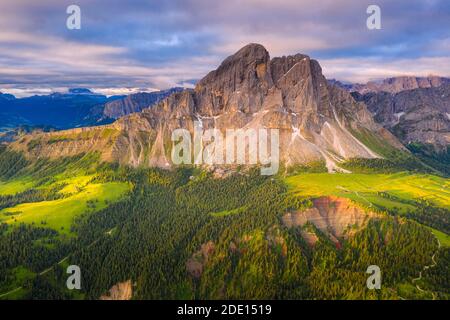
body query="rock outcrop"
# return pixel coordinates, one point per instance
(333, 216)
(199, 259)
(134, 103)
(120, 291)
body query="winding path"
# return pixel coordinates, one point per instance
(426, 268)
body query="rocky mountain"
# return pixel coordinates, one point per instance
(6, 97)
(395, 84)
(331, 215)
(78, 107)
(419, 115)
(249, 90)
(129, 104)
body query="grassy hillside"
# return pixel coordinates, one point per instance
(375, 188)
(59, 214)
(15, 186)
(53, 193)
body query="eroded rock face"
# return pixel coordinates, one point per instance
(335, 217)
(248, 91)
(419, 115)
(199, 259)
(120, 291)
(134, 103)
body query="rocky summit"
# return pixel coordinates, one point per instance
(317, 121)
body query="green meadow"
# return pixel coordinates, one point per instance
(80, 196)
(443, 238)
(402, 189)
(229, 212)
(15, 186)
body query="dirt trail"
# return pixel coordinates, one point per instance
(10, 292)
(426, 268)
(357, 194)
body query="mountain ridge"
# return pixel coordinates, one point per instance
(249, 90)
(420, 115)
(393, 84)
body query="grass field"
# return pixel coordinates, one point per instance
(74, 183)
(363, 188)
(444, 239)
(59, 214)
(15, 186)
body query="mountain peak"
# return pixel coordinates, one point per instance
(248, 90)
(247, 72)
(252, 49)
(250, 54)
(80, 91)
(7, 96)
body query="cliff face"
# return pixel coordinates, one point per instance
(419, 115)
(135, 103)
(248, 91)
(335, 217)
(120, 291)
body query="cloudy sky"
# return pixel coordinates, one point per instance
(137, 45)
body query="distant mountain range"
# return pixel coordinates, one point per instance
(60, 110)
(117, 108)
(415, 109)
(76, 108)
(417, 115)
(394, 85)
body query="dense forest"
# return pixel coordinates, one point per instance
(182, 234)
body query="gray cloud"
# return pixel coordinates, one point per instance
(126, 45)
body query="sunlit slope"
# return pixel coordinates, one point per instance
(52, 193)
(400, 190)
(59, 214)
(14, 186)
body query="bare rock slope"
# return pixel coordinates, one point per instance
(335, 217)
(120, 291)
(419, 115)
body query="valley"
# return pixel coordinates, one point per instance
(123, 223)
